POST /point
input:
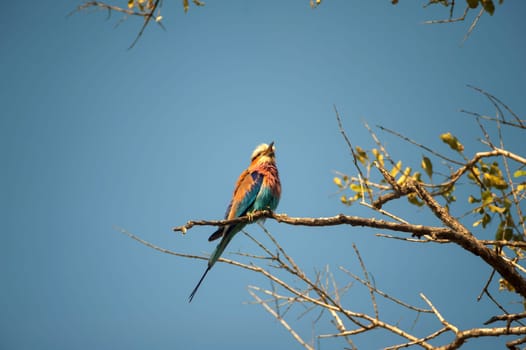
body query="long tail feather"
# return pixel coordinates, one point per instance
(218, 234)
(198, 284)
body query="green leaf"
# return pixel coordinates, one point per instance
(496, 209)
(474, 174)
(495, 181)
(504, 232)
(452, 142)
(473, 3)
(379, 157)
(405, 175)
(396, 169)
(357, 196)
(472, 200)
(488, 6)
(361, 155)
(413, 199)
(519, 173)
(427, 166)
(487, 197)
(356, 188)
(486, 219)
(500, 231)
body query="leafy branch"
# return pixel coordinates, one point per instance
(151, 9)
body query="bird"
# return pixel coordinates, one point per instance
(257, 188)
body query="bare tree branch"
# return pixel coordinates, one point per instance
(512, 345)
(340, 219)
(463, 336)
(507, 317)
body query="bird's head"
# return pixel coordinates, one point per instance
(264, 153)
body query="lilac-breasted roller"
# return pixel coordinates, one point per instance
(258, 188)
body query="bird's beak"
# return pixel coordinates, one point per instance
(270, 149)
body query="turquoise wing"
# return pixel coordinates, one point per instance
(247, 188)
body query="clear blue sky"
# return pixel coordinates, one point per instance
(94, 135)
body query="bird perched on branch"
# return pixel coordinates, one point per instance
(258, 188)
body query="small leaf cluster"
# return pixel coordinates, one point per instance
(487, 5)
(496, 194)
(368, 159)
(397, 171)
(142, 5)
(145, 6)
(186, 4)
(496, 198)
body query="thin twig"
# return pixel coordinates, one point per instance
(450, 20)
(280, 249)
(379, 144)
(485, 289)
(368, 284)
(405, 138)
(102, 5)
(383, 294)
(506, 317)
(425, 239)
(376, 207)
(337, 320)
(473, 25)
(495, 302)
(411, 343)
(439, 315)
(504, 243)
(512, 344)
(284, 323)
(146, 14)
(351, 148)
(521, 123)
(147, 19)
